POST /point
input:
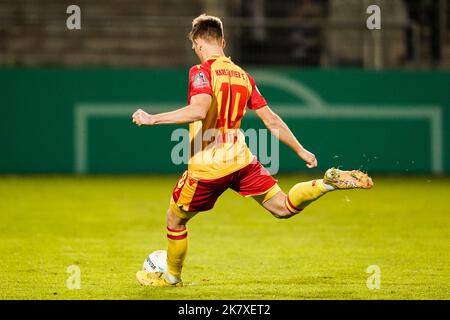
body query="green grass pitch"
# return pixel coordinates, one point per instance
(107, 226)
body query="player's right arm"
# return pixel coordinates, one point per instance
(199, 96)
(196, 110)
(280, 130)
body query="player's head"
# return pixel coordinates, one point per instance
(206, 31)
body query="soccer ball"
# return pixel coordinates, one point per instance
(156, 261)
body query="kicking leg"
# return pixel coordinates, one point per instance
(284, 206)
(302, 194)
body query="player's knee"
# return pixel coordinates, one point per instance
(174, 221)
(277, 207)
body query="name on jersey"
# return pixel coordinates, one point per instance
(230, 73)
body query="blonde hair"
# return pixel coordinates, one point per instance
(207, 28)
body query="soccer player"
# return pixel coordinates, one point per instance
(219, 94)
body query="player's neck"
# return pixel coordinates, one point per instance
(212, 52)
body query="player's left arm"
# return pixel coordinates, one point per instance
(280, 130)
(196, 110)
(277, 126)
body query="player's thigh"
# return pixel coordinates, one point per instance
(253, 180)
(192, 195)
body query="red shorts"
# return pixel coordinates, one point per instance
(193, 195)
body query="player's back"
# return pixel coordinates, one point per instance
(218, 146)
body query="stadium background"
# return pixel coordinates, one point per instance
(377, 100)
(309, 55)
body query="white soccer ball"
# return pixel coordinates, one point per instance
(156, 261)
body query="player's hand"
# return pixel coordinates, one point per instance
(308, 157)
(140, 117)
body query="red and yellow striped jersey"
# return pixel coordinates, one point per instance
(217, 144)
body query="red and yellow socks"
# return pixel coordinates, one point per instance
(303, 193)
(176, 253)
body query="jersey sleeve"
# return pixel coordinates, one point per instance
(199, 81)
(256, 100)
